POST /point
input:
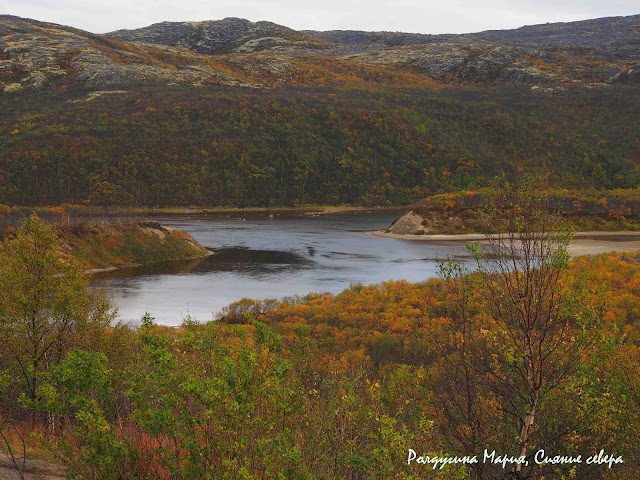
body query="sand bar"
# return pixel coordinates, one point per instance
(584, 243)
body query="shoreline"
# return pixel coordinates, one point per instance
(462, 237)
(344, 209)
(584, 243)
(75, 215)
(113, 268)
(198, 210)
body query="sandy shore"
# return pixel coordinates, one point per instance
(584, 243)
(347, 209)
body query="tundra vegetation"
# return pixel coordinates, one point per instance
(522, 353)
(528, 351)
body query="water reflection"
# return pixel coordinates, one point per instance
(179, 267)
(252, 261)
(241, 261)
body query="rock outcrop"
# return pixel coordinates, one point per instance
(408, 224)
(231, 35)
(36, 54)
(432, 222)
(237, 52)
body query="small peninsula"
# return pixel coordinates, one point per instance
(109, 246)
(461, 213)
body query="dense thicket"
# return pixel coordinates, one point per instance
(582, 210)
(207, 146)
(335, 387)
(326, 387)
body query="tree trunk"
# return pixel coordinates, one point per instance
(34, 397)
(524, 433)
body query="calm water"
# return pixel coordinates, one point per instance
(262, 257)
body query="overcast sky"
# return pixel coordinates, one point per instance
(420, 16)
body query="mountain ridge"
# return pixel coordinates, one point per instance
(485, 34)
(238, 52)
(527, 34)
(280, 118)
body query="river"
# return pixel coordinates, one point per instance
(259, 257)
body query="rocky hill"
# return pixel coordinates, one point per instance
(600, 32)
(36, 54)
(234, 113)
(237, 52)
(602, 50)
(231, 35)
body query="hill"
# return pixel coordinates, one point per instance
(236, 113)
(263, 54)
(599, 50)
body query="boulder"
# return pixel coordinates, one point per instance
(408, 224)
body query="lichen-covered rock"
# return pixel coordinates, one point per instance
(218, 37)
(34, 54)
(237, 52)
(12, 87)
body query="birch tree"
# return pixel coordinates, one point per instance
(46, 306)
(533, 319)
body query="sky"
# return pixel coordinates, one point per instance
(415, 16)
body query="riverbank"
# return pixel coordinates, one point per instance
(111, 246)
(67, 211)
(348, 209)
(584, 243)
(113, 268)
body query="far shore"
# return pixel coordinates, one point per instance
(304, 209)
(82, 210)
(584, 243)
